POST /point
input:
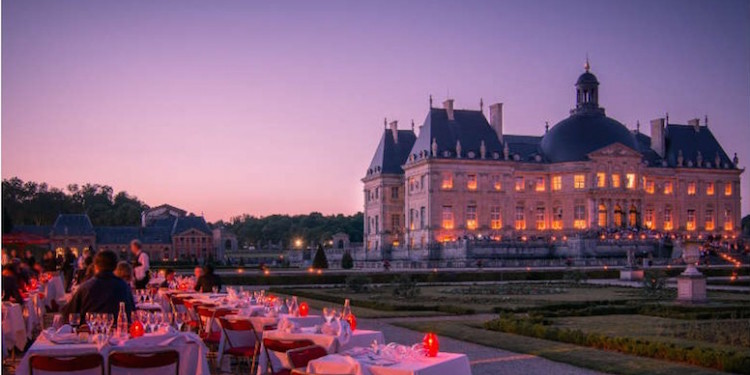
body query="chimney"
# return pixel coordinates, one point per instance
(695, 123)
(448, 105)
(657, 136)
(394, 130)
(496, 119)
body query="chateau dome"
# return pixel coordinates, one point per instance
(581, 133)
(587, 129)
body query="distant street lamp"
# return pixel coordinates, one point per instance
(298, 243)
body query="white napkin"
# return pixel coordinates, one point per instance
(66, 328)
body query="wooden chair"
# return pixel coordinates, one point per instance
(248, 352)
(66, 363)
(299, 358)
(282, 346)
(144, 360)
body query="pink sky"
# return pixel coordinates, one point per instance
(276, 107)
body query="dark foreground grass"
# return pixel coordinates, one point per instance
(599, 360)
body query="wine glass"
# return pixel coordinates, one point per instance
(110, 322)
(215, 289)
(289, 305)
(74, 319)
(329, 313)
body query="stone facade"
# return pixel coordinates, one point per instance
(484, 184)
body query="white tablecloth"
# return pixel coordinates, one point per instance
(443, 364)
(331, 343)
(14, 327)
(54, 291)
(193, 353)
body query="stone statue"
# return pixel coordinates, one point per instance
(506, 151)
(736, 160)
(482, 150)
(434, 147)
(717, 160)
(699, 159)
(680, 159)
(458, 148)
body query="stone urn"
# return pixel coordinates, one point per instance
(691, 284)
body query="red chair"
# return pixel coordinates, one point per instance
(300, 357)
(144, 360)
(282, 346)
(247, 351)
(206, 315)
(66, 364)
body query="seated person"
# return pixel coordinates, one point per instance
(208, 280)
(11, 288)
(103, 292)
(169, 281)
(124, 271)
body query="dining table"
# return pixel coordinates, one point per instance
(14, 327)
(331, 343)
(193, 353)
(364, 363)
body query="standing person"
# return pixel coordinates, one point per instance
(30, 259)
(48, 262)
(68, 267)
(140, 265)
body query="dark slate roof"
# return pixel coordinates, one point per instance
(116, 235)
(468, 126)
(587, 78)
(527, 147)
(39, 230)
(690, 141)
(73, 225)
(156, 235)
(186, 223)
(391, 155)
(574, 138)
(167, 222)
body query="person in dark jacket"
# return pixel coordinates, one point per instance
(30, 259)
(103, 292)
(169, 281)
(49, 264)
(68, 267)
(208, 280)
(11, 286)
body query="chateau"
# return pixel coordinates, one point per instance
(462, 177)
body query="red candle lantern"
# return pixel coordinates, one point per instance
(303, 309)
(352, 320)
(136, 329)
(431, 344)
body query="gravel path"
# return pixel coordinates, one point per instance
(484, 360)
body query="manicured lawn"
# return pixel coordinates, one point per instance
(600, 360)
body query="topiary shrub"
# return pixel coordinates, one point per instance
(320, 261)
(347, 262)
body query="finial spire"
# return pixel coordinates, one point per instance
(430, 100)
(638, 126)
(385, 123)
(546, 126)
(705, 120)
(481, 105)
(412, 124)
(587, 66)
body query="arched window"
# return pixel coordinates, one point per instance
(602, 222)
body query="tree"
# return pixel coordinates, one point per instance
(320, 261)
(347, 262)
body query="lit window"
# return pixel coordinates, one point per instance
(648, 218)
(579, 217)
(690, 224)
(668, 225)
(412, 212)
(630, 180)
(601, 180)
(602, 216)
(668, 188)
(579, 181)
(540, 224)
(496, 219)
(471, 182)
(556, 218)
(471, 217)
(556, 183)
(710, 224)
(519, 184)
(728, 224)
(649, 186)
(615, 180)
(710, 188)
(447, 217)
(447, 181)
(691, 188)
(496, 183)
(728, 189)
(539, 186)
(520, 222)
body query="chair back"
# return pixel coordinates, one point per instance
(281, 346)
(300, 357)
(238, 332)
(65, 364)
(144, 360)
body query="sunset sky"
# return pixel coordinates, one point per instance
(259, 107)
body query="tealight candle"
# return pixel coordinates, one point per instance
(431, 344)
(304, 309)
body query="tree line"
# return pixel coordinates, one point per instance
(33, 203)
